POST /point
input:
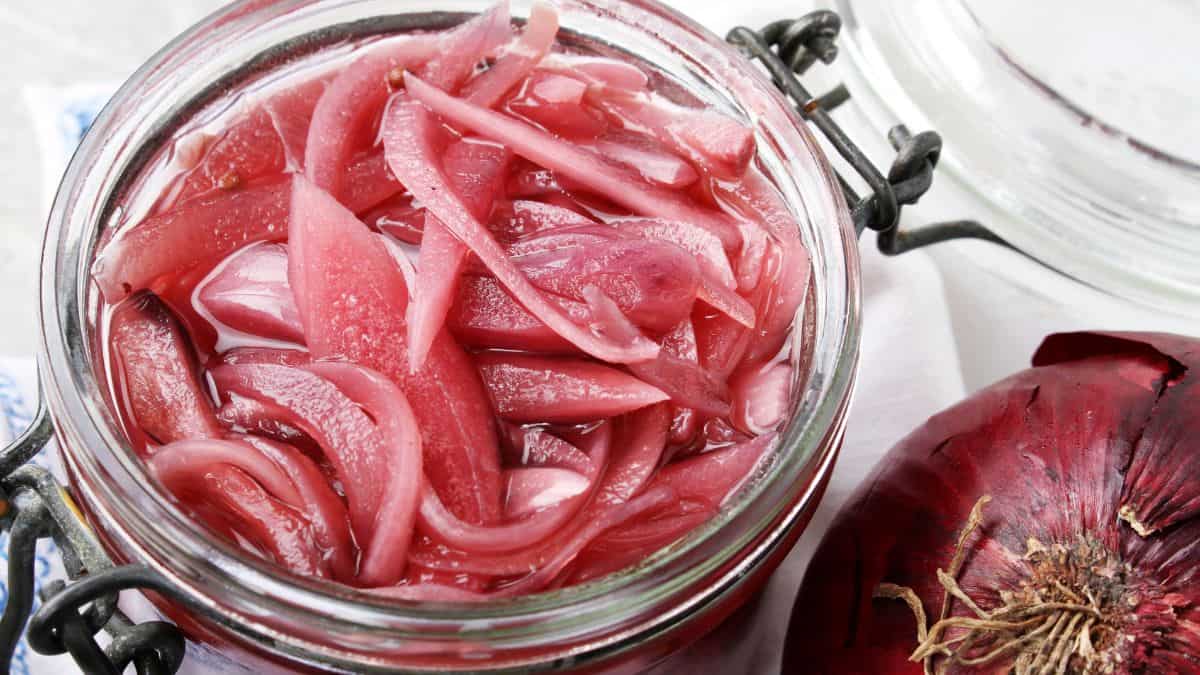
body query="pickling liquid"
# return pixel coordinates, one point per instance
(453, 316)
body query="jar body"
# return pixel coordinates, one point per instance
(240, 607)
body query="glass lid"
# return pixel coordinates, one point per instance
(1076, 122)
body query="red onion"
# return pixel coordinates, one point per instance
(1047, 524)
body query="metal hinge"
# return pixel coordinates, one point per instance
(788, 49)
(34, 507)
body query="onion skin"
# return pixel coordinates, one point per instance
(1102, 433)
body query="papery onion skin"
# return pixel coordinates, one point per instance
(1055, 447)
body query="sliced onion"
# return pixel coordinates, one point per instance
(352, 296)
(683, 380)
(717, 279)
(291, 110)
(534, 446)
(555, 103)
(527, 388)
(159, 373)
(288, 476)
(762, 397)
(324, 508)
(723, 342)
(260, 144)
(399, 218)
(641, 439)
(186, 460)
(712, 141)
(711, 477)
(653, 283)
(531, 489)
(406, 138)
(761, 203)
(250, 293)
(518, 60)
(317, 407)
(443, 258)
(249, 149)
(485, 315)
(524, 218)
(279, 357)
(345, 111)
(565, 158)
(196, 234)
(550, 568)
(655, 165)
(573, 241)
(598, 70)
(442, 526)
(280, 532)
(369, 182)
(385, 555)
(475, 171)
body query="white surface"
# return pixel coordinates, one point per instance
(992, 308)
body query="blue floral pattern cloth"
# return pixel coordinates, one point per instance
(17, 391)
(62, 117)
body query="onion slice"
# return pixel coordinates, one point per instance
(562, 157)
(528, 388)
(683, 380)
(196, 234)
(352, 296)
(406, 133)
(361, 90)
(442, 526)
(518, 60)
(159, 372)
(475, 171)
(385, 555)
(241, 505)
(316, 406)
(534, 446)
(249, 293)
(285, 474)
(531, 489)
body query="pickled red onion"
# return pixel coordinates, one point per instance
(406, 131)
(580, 165)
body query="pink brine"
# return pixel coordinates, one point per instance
(463, 315)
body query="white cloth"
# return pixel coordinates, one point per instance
(999, 307)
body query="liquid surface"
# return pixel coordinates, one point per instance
(452, 316)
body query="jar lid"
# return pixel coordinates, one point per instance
(1075, 121)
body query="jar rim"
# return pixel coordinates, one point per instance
(119, 489)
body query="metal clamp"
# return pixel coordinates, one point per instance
(788, 49)
(34, 506)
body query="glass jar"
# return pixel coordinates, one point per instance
(1080, 153)
(238, 606)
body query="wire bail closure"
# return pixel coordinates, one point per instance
(788, 49)
(34, 507)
